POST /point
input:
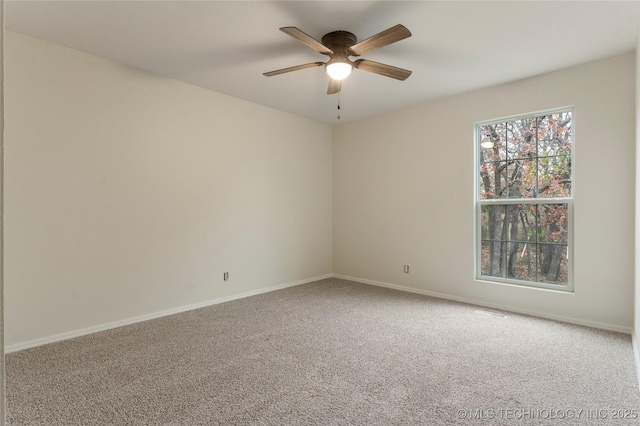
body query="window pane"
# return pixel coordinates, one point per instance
(484, 223)
(493, 180)
(554, 176)
(494, 258)
(494, 244)
(522, 178)
(552, 264)
(554, 134)
(523, 223)
(486, 258)
(492, 221)
(553, 223)
(525, 242)
(521, 236)
(523, 261)
(497, 134)
(521, 141)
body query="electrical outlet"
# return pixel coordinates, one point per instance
(406, 269)
(226, 276)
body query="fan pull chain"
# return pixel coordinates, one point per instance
(338, 106)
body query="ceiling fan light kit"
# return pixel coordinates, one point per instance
(339, 45)
(339, 70)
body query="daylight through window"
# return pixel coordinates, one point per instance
(524, 200)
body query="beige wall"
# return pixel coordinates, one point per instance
(129, 194)
(403, 194)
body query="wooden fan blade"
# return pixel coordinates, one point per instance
(305, 38)
(385, 38)
(382, 69)
(296, 68)
(334, 86)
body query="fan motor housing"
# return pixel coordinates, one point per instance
(339, 41)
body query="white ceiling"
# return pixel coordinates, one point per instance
(225, 46)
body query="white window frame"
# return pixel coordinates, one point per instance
(478, 202)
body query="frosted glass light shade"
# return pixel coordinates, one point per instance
(487, 144)
(339, 70)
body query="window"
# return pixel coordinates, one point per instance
(524, 201)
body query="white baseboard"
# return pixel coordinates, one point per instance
(577, 321)
(636, 355)
(115, 324)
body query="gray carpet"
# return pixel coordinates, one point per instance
(331, 352)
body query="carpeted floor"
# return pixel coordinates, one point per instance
(331, 352)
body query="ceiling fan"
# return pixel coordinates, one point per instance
(339, 45)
